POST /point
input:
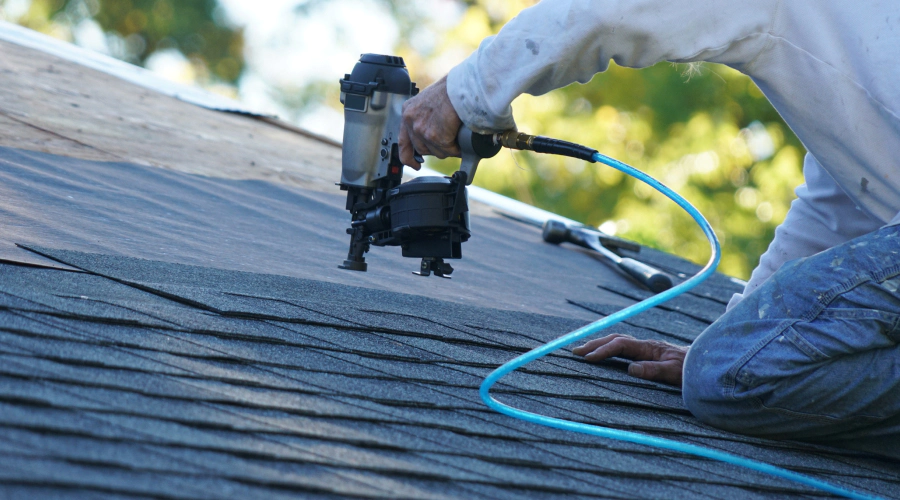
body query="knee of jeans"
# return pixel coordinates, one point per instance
(705, 380)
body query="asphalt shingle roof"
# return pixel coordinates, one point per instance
(135, 377)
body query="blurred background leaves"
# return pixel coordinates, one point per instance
(135, 30)
(704, 130)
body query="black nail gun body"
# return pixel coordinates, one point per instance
(427, 217)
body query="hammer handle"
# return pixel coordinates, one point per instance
(650, 277)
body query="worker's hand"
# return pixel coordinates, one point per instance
(653, 359)
(429, 125)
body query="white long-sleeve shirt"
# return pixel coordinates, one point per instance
(830, 67)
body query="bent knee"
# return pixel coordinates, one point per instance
(703, 388)
(708, 400)
(708, 382)
(709, 394)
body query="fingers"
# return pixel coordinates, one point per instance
(410, 145)
(441, 143)
(654, 360)
(667, 372)
(590, 346)
(429, 125)
(622, 346)
(407, 150)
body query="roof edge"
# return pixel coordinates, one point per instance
(25, 37)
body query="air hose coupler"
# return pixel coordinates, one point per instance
(513, 139)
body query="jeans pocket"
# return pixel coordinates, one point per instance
(787, 354)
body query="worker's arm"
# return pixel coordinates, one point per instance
(557, 42)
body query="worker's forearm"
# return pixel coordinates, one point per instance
(558, 42)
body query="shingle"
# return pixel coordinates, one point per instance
(88, 354)
(190, 389)
(112, 402)
(98, 451)
(111, 335)
(699, 308)
(137, 375)
(30, 492)
(19, 301)
(358, 341)
(456, 353)
(69, 475)
(838, 464)
(74, 294)
(674, 324)
(531, 478)
(561, 387)
(395, 311)
(619, 416)
(515, 493)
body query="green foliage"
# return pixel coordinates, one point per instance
(196, 28)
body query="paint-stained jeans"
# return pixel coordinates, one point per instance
(812, 355)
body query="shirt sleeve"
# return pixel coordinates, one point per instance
(822, 216)
(558, 42)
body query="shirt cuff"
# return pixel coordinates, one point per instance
(470, 100)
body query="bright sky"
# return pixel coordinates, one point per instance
(286, 49)
(289, 50)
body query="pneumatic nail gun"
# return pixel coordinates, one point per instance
(427, 217)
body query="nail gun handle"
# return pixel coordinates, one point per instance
(473, 148)
(652, 278)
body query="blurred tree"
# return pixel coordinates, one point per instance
(136, 29)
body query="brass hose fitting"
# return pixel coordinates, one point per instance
(513, 139)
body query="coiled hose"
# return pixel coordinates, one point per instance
(554, 146)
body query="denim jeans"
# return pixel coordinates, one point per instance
(812, 354)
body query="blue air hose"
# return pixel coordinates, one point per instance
(547, 145)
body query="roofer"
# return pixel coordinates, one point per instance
(809, 350)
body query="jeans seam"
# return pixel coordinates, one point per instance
(815, 416)
(804, 345)
(833, 293)
(895, 325)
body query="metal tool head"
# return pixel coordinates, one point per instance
(373, 95)
(555, 231)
